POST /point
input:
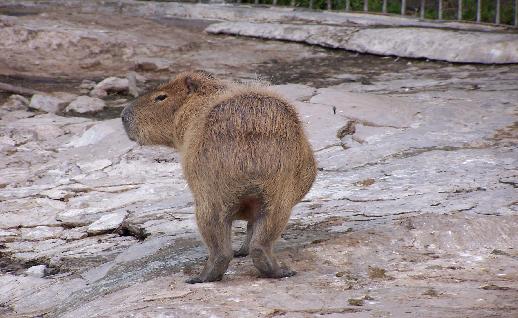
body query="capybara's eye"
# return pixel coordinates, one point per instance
(160, 97)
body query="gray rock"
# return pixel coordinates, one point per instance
(86, 104)
(106, 223)
(36, 271)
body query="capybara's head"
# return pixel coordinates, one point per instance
(150, 119)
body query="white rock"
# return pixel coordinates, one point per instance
(47, 103)
(16, 102)
(36, 271)
(86, 104)
(107, 223)
(89, 166)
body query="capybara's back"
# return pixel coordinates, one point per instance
(245, 156)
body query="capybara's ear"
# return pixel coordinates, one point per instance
(192, 84)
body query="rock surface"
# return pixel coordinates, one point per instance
(86, 104)
(413, 213)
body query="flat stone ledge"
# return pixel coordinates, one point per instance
(412, 42)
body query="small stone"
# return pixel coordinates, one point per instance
(36, 271)
(365, 183)
(355, 302)
(378, 273)
(16, 102)
(431, 292)
(47, 103)
(107, 223)
(86, 104)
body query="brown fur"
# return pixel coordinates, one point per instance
(244, 155)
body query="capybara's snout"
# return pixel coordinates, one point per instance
(127, 117)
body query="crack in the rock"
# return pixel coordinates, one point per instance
(316, 311)
(468, 190)
(366, 200)
(338, 144)
(509, 182)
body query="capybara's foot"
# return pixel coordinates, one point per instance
(194, 280)
(199, 279)
(280, 273)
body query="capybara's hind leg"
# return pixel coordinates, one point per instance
(266, 230)
(217, 237)
(243, 251)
